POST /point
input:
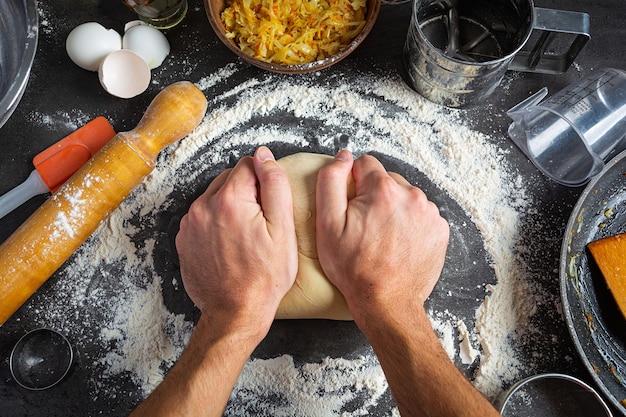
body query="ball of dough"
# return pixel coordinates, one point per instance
(312, 295)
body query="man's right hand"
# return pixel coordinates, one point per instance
(383, 249)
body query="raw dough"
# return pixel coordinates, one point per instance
(312, 295)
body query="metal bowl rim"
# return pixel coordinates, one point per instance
(563, 268)
(15, 92)
(503, 400)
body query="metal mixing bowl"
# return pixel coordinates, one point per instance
(553, 395)
(18, 43)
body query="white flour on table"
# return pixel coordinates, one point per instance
(145, 339)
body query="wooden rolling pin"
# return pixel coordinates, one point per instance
(51, 235)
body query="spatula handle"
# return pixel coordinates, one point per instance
(33, 186)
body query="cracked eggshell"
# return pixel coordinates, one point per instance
(88, 44)
(148, 42)
(124, 74)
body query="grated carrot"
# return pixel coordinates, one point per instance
(293, 31)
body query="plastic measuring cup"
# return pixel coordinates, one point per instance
(572, 134)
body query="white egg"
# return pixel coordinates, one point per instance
(88, 44)
(124, 74)
(150, 43)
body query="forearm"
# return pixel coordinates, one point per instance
(200, 383)
(423, 380)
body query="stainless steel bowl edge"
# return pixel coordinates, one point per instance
(18, 44)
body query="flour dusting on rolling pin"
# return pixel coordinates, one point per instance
(52, 234)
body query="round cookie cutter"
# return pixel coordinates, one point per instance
(41, 359)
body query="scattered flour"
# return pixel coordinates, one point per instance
(144, 313)
(61, 120)
(320, 390)
(44, 20)
(143, 338)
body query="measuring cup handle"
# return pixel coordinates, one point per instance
(550, 22)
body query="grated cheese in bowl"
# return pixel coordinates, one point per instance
(293, 32)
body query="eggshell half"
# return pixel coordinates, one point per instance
(150, 43)
(89, 43)
(124, 74)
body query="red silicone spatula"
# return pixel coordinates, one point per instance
(57, 163)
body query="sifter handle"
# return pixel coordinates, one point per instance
(549, 23)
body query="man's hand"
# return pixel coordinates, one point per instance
(238, 256)
(385, 248)
(237, 245)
